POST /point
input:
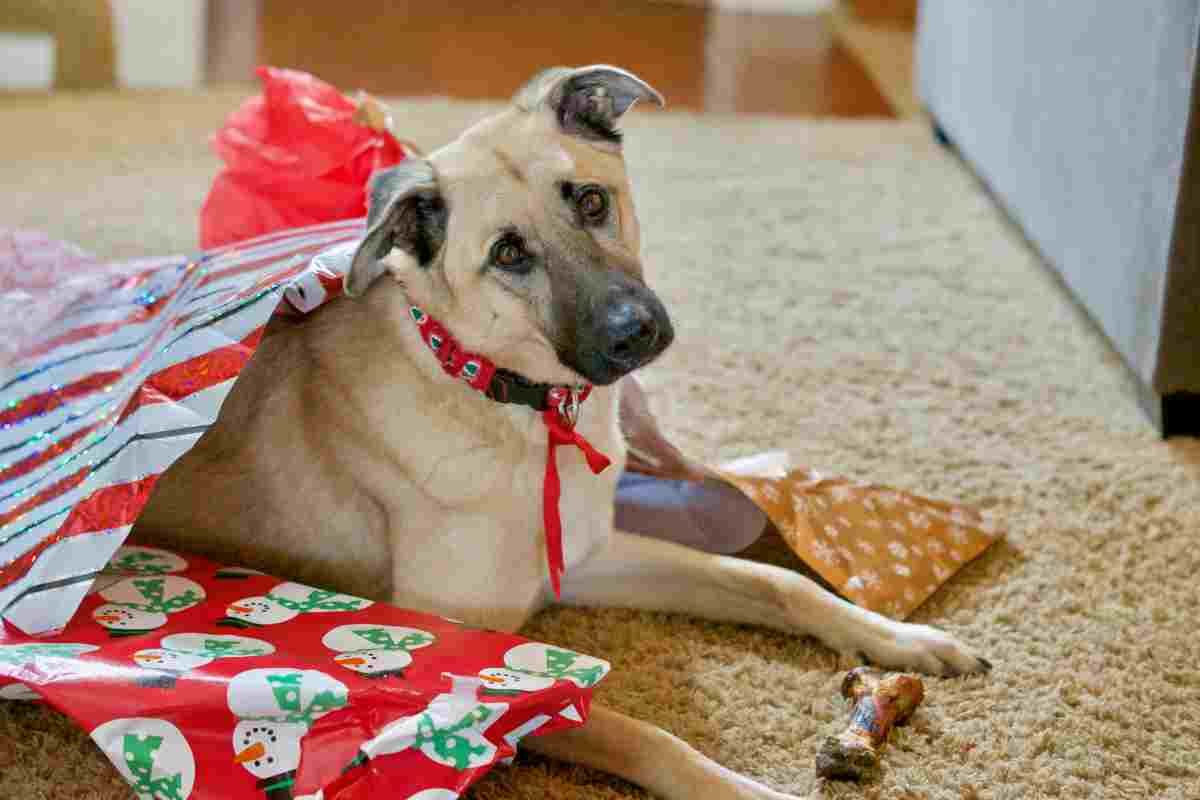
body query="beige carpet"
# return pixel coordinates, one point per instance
(848, 292)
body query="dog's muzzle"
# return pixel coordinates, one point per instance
(628, 331)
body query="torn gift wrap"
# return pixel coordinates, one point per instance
(102, 392)
(343, 698)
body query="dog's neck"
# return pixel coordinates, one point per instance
(396, 341)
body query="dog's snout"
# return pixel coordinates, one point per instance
(631, 331)
(626, 327)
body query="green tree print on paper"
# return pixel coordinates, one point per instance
(560, 664)
(140, 753)
(141, 563)
(448, 745)
(381, 639)
(319, 600)
(286, 690)
(19, 654)
(152, 590)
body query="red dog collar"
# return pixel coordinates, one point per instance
(559, 406)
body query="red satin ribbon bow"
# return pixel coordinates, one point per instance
(560, 430)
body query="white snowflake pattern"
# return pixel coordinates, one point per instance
(866, 547)
(919, 521)
(898, 550)
(961, 517)
(902, 570)
(799, 505)
(842, 494)
(824, 552)
(855, 583)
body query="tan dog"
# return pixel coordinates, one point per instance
(346, 457)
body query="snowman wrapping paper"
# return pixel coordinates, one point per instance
(203, 682)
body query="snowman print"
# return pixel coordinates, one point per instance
(141, 604)
(151, 754)
(376, 651)
(135, 560)
(270, 751)
(556, 663)
(276, 707)
(181, 653)
(286, 602)
(132, 560)
(450, 731)
(24, 655)
(498, 681)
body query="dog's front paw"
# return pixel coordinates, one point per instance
(919, 647)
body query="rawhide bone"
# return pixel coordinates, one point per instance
(881, 700)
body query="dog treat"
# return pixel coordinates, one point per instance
(202, 682)
(880, 701)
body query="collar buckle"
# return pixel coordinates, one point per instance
(567, 401)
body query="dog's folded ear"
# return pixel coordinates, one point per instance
(587, 101)
(405, 212)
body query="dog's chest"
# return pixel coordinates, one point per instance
(472, 542)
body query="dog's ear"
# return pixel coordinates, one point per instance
(587, 101)
(405, 211)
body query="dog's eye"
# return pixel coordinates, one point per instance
(509, 255)
(592, 203)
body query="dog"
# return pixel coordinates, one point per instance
(354, 452)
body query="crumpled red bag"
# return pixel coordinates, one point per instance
(294, 156)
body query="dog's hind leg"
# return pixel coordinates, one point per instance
(646, 755)
(639, 572)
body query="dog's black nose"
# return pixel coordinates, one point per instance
(631, 331)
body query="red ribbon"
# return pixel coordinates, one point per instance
(560, 431)
(477, 371)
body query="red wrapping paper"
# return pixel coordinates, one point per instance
(294, 155)
(213, 683)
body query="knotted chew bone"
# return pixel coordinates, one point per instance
(880, 701)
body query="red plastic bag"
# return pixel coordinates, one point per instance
(294, 156)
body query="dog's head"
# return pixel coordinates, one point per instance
(521, 235)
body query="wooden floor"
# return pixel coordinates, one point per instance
(698, 58)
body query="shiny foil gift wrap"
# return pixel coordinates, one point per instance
(108, 373)
(202, 682)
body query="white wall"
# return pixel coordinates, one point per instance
(26, 60)
(159, 43)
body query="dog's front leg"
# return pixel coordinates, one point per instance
(646, 755)
(639, 572)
